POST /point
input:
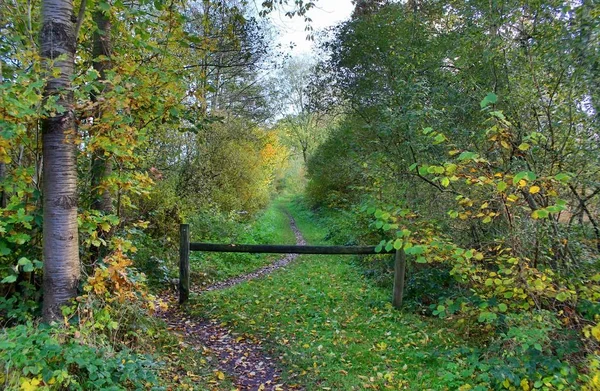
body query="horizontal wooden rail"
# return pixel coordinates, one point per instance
(284, 249)
(186, 246)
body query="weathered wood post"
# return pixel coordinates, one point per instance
(184, 263)
(399, 272)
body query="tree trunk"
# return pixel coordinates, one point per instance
(61, 251)
(101, 165)
(3, 195)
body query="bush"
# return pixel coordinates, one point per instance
(51, 358)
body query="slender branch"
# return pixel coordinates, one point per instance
(80, 17)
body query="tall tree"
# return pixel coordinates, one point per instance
(61, 252)
(101, 164)
(301, 123)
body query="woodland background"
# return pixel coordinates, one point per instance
(466, 133)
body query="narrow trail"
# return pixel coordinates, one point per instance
(242, 359)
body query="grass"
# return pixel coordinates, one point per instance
(271, 227)
(331, 326)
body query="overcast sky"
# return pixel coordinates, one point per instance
(326, 13)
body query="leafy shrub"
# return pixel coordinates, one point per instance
(51, 358)
(430, 285)
(530, 353)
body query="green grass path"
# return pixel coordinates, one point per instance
(333, 328)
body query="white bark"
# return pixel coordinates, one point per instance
(61, 252)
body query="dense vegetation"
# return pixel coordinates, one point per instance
(465, 133)
(470, 137)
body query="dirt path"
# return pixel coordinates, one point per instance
(242, 359)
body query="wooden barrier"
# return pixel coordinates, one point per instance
(184, 263)
(186, 246)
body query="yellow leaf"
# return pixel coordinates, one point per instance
(512, 198)
(220, 375)
(596, 331)
(30, 384)
(524, 147)
(525, 385)
(534, 189)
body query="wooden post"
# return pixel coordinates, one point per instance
(399, 272)
(184, 263)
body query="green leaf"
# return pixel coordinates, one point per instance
(389, 246)
(540, 214)
(502, 307)
(104, 6)
(398, 244)
(490, 98)
(445, 182)
(3, 249)
(498, 114)
(487, 317)
(562, 177)
(562, 296)
(9, 279)
(467, 155)
(415, 250)
(530, 176)
(501, 186)
(450, 168)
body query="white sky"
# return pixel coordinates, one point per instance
(326, 13)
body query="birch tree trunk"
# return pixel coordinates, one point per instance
(61, 252)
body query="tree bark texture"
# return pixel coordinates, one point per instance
(61, 252)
